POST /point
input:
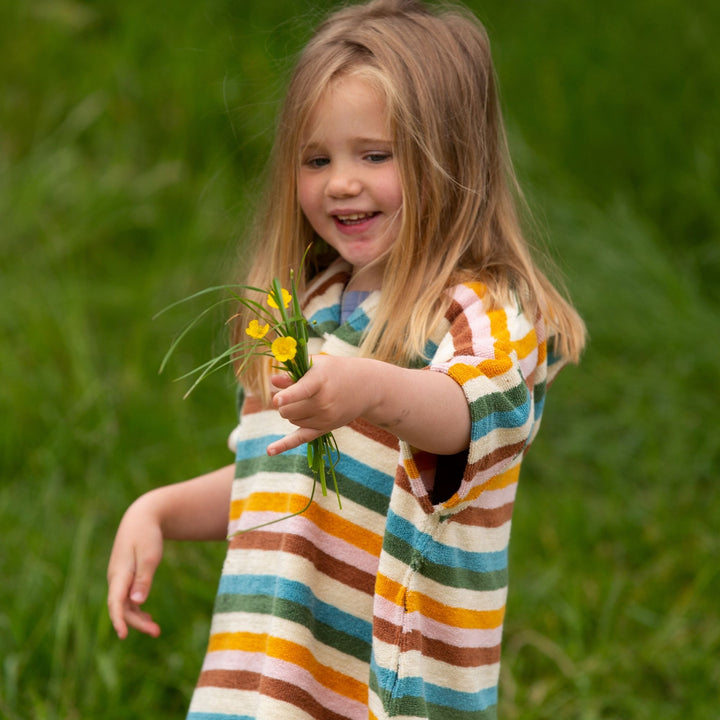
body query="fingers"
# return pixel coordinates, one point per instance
(126, 593)
(281, 381)
(142, 581)
(118, 588)
(124, 600)
(140, 620)
(134, 558)
(293, 440)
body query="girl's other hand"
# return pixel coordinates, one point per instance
(136, 553)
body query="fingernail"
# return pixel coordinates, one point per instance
(137, 596)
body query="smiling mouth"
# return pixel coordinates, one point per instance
(355, 218)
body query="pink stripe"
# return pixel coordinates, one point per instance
(465, 296)
(460, 637)
(492, 499)
(529, 363)
(287, 672)
(302, 527)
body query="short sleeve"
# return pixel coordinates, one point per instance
(499, 359)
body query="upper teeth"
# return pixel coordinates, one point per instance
(354, 216)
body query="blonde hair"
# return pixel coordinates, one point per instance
(459, 218)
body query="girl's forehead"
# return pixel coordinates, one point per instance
(352, 103)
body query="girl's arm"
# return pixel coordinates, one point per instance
(197, 509)
(424, 408)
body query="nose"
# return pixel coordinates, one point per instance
(343, 181)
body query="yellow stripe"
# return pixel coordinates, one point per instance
(526, 345)
(461, 372)
(480, 289)
(455, 617)
(434, 610)
(330, 522)
(497, 366)
(504, 479)
(411, 468)
(497, 482)
(291, 652)
(499, 328)
(542, 353)
(390, 590)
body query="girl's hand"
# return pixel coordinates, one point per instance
(328, 396)
(424, 408)
(136, 553)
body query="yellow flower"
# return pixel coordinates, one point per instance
(284, 348)
(256, 330)
(286, 298)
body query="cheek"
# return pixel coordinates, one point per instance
(303, 197)
(393, 191)
(307, 194)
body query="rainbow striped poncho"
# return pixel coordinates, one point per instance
(394, 605)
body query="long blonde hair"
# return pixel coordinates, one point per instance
(460, 194)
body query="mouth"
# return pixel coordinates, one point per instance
(354, 218)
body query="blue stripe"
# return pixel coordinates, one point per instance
(324, 315)
(358, 320)
(257, 447)
(435, 694)
(446, 555)
(514, 418)
(273, 586)
(348, 466)
(363, 474)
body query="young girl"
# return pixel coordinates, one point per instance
(434, 340)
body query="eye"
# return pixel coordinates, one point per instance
(316, 162)
(378, 157)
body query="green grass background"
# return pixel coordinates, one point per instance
(132, 137)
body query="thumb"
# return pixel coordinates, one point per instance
(281, 381)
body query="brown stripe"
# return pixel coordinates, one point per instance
(436, 649)
(297, 545)
(460, 330)
(269, 687)
(484, 517)
(373, 432)
(341, 276)
(498, 455)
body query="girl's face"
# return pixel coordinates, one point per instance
(349, 185)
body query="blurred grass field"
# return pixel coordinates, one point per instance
(132, 138)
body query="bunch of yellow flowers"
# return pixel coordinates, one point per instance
(280, 332)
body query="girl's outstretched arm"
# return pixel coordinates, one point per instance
(424, 408)
(197, 509)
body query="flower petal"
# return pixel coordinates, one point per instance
(284, 348)
(256, 330)
(286, 298)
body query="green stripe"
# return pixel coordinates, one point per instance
(456, 577)
(506, 401)
(354, 491)
(419, 708)
(297, 613)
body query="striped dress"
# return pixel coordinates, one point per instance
(392, 606)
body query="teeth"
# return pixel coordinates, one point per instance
(354, 217)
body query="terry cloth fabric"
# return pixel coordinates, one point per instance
(394, 605)
(350, 300)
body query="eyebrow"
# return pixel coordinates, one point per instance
(312, 145)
